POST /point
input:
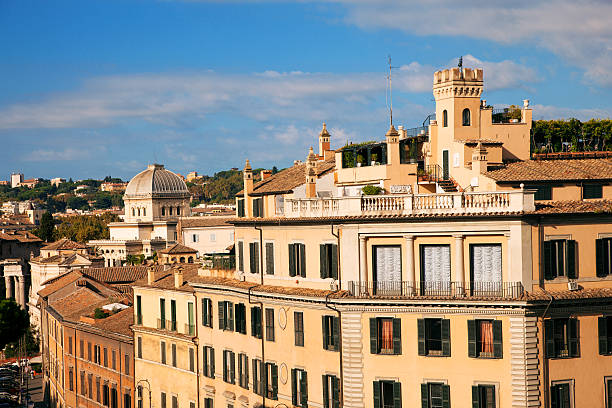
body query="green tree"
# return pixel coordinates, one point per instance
(77, 203)
(83, 228)
(47, 227)
(13, 322)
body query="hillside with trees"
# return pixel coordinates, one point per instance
(571, 135)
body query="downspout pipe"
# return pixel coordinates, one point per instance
(546, 367)
(197, 347)
(263, 315)
(263, 349)
(329, 306)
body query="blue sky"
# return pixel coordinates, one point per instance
(93, 88)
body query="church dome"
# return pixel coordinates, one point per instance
(156, 181)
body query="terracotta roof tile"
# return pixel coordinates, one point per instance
(119, 274)
(574, 207)
(553, 170)
(595, 293)
(178, 249)
(211, 221)
(64, 244)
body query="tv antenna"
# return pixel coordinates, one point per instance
(390, 94)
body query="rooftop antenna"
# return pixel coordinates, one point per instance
(390, 100)
(460, 65)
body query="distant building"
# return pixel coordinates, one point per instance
(57, 181)
(5, 183)
(113, 187)
(16, 179)
(177, 253)
(192, 175)
(30, 183)
(208, 235)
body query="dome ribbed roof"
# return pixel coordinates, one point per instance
(156, 181)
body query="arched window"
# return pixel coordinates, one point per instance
(163, 210)
(182, 260)
(133, 212)
(139, 212)
(190, 259)
(169, 210)
(178, 210)
(445, 118)
(466, 117)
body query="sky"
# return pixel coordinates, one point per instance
(92, 88)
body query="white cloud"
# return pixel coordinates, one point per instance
(556, 112)
(66, 154)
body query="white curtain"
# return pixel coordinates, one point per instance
(437, 263)
(388, 264)
(487, 263)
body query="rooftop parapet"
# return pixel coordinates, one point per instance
(455, 74)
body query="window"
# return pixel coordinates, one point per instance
(105, 357)
(271, 381)
(190, 329)
(485, 338)
(466, 117)
(299, 387)
(229, 364)
(608, 384)
(592, 191)
(434, 337)
(561, 337)
(297, 260)
(82, 381)
(127, 364)
(241, 256)
(139, 395)
(331, 391)
(226, 315)
(105, 395)
(483, 396)
(559, 258)
(435, 395)
(603, 257)
(113, 360)
(298, 324)
(435, 269)
(387, 266)
(243, 371)
(71, 379)
(270, 324)
(331, 333)
(208, 403)
(254, 257)
(82, 347)
(258, 377)
(138, 309)
(269, 258)
(560, 395)
(175, 401)
(192, 360)
(240, 208)
(207, 312)
(195, 238)
(139, 347)
(173, 350)
(213, 237)
(387, 394)
(385, 336)
(113, 398)
(69, 345)
(162, 352)
(605, 335)
(127, 400)
(208, 354)
(486, 269)
(162, 313)
(258, 207)
(240, 312)
(445, 118)
(89, 351)
(542, 192)
(328, 261)
(98, 395)
(96, 350)
(172, 315)
(256, 322)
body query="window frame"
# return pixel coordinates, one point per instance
(571, 338)
(466, 117)
(424, 340)
(594, 191)
(331, 333)
(555, 384)
(298, 329)
(269, 322)
(376, 334)
(379, 395)
(474, 330)
(299, 387)
(559, 259)
(328, 261)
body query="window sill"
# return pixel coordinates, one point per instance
(435, 353)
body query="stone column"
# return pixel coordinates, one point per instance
(458, 267)
(20, 295)
(410, 270)
(8, 282)
(363, 264)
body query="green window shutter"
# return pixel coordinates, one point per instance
(554, 396)
(421, 336)
(497, 339)
(335, 383)
(602, 331)
(424, 396)
(570, 258)
(254, 363)
(237, 314)
(549, 339)
(251, 257)
(233, 368)
(547, 261)
(326, 391)
(291, 259)
(274, 371)
(304, 389)
(225, 373)
(323, 261)
(260, 207)
(325, 331)
(397, 394)
(302, 260)
(270, 258)
(336, 333)
(397, 336)
(376, 390)
(445, 396)
(222, 316)
(574, 345)
(294, 396)
(246, 374)
(253, 322)
(256, 250)
(240, 256)
(334, 261)
(471, 338)
(255, 207)
(212, 362)
(240, 208)
(373, 335)
(230, 317)
(602, 258)
(240, 357)
(446, 346)
(475, 397)
(204, 313)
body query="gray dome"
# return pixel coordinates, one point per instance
(156, 181)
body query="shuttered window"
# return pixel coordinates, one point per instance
(254, 257)
(229, 364)
(207, 312)
(258, 207)
(485, 339)
(387, 394)
(297, 260)
(561, 338)
(226, 315)
(559, 258)
(208, 354)
(298, 323)
(258, 381)
(435, 395)
(241, 256)
(328, 259)
(542, 192)
(208, 403)
(592, 191)
(243, 371)
(299, 387)
(603, 257)
(240, 208)
(331, 391)
(240, 316)
(271, 381)
(483, 396)
(331, 333)
(270, 324)
(434, 337)
(604, 330)
(256, 330)
(560, 396)
(269, 258)
(385, 336)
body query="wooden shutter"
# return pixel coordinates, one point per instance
(222, 316)
(446, 347)
(547, 261)
(497, 339)
(251, 257)
(602, 331)
(376, 385)
(424, 396)
(240, 256)
(225, 373)
(325, 331)
(326, 392)
(210, 313)
(237, 314)
(260, 207)
(373, 335)
(397, 394)
(445, 395)
(240, 208)
(232, 367)
(336, 332)
(304, 389)
(323, 261)
(230, 317)
(269, 258)
(240, 358)
(334, 261)
(599, 258)
(335, 383)
(256, 207)
(475, 397)
(274, 371)
(471, 338)
(573, 337)
(294, 396)
(570, 258)
(421, 336)
(291, 259)
(554, 396)
(397, 336)
(204, 312)
(254, 363)
(302, 260)
(549, 338)
(212, 362)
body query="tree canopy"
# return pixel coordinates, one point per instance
(14, 322)
(82, 228)
(571, 135)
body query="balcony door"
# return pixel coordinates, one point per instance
(387, 260)
(435, 270)
(486, 268)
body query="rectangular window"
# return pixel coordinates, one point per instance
(331, 333)
(190, 328)
(241, 256)
(208, 354)
(331, 391)
(271, 381)
(240, 311)
(542, 192)
(435, 395)
(258, 207)
(175, 403)
(243, 371)
(105, 357)
(328, 261)
(608, 384)
(162, 352)
(82, 347)
(485, 338)
(483, 396)
(89, 352)
(269, 258)
(229, 364)
(560, 395)
(70, 345)
(297, 260)
(240, 208)
(434, 337)
(98, 389)
(226, 315)
(256, 330)
(299, 387)
(486, 269)
(172, 315)
(385, 335)
(254, 257)
(387, 269)
(113, 360)
(192, 360)
(127, 364)
(71, 379)
(127, 400)
(387, 394)
(139, 347)
(162, 399)
(105, 395)
(162, 313)
(592, 191)
(208, 403)
(604, 331)
(258, 377)
(561, 338)
(195, 238)
(270, 324)
(559, 258)
(138, 309)
(213, 237)
(435, 270)
(90, 385)
(82, 381)
(173, 347)
(207, 312)
(603, 257)
(298, 323)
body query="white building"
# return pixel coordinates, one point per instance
(208, 235)
(16, 179)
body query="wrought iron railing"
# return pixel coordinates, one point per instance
(434, 172)
(506, 290)
(219, 262)
(506, 115)
(190, 329)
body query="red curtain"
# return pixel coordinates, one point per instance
(486, 336)
(387, 334)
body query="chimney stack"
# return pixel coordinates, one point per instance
(150, 276)
(178, 277)
(265, 174)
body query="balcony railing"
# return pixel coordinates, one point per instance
(413, 204)
(161, 324)
(190, 329)
(459, 290)
(219, 262)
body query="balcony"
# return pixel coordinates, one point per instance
(190, 329)
(460, 203)
(455, 290)
(219, 262)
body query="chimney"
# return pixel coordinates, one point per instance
(178, 277)
(265, 174)
(479, 159)
(150, 276)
